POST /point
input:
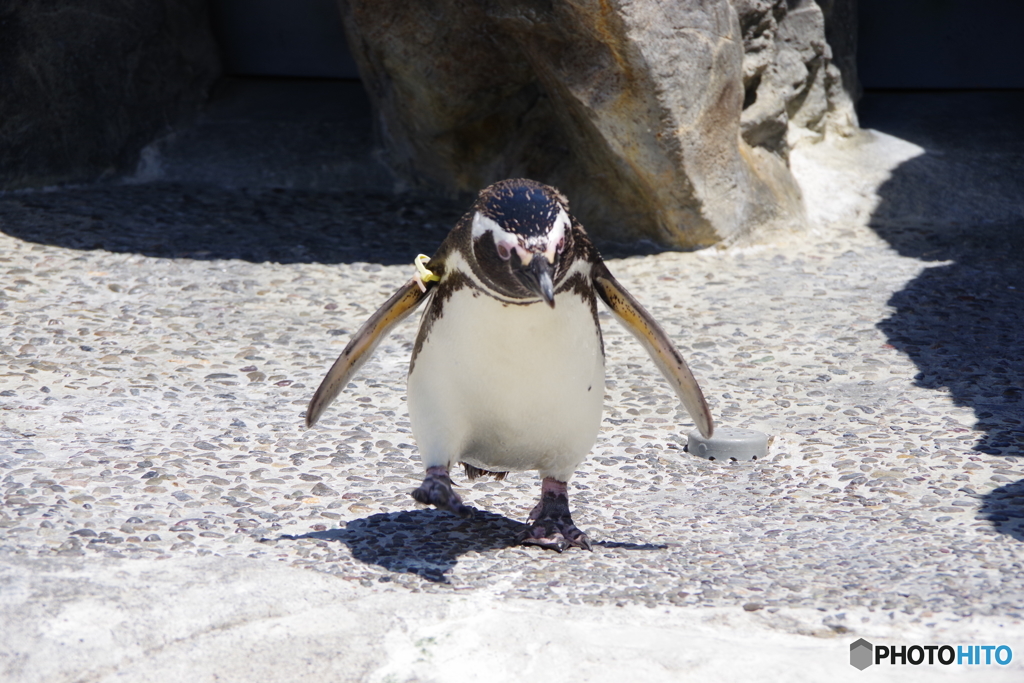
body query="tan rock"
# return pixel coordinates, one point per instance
(633, 109)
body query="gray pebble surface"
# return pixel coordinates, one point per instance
(159, 343)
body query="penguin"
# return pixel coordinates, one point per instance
(507, 371)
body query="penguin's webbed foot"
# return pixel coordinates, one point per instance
(550, 525)
(436, 490)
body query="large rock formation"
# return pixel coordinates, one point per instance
(634, 108)
(85, 85)
(793, 86)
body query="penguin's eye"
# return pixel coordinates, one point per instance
(560, 247)
(503, 251)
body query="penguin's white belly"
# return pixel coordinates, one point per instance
(506, 387)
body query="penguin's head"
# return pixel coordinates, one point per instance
(521, 236)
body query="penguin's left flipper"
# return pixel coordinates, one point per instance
(360, 348)
(638, 321)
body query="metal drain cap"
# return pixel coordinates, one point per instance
(729, 443)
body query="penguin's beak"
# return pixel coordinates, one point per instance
(537, 278)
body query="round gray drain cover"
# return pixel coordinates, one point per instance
(729, 443)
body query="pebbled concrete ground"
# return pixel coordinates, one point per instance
(160, 341)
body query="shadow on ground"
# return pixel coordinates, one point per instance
(962, 323)
(427, 543)
(178, 220)
(206, 222)
(1004, 507)
(961, 206)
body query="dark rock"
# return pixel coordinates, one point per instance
(324, 490)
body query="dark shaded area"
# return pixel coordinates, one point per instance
(1004, 507)
(181, 220)
(963, 326)
(629, 546)
(85, 85)
(940, 43)
(961, 205)
(292, 133)
(427, 543)
(971, 126)
(270, 37)
(257, 225)
(841, 33)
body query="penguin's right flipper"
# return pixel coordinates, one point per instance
(360, 348)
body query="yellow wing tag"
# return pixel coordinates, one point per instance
(423, 274)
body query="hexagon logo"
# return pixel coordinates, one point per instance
(860, 654)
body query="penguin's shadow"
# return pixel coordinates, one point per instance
(427, 542)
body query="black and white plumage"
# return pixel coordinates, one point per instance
(502, 379)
